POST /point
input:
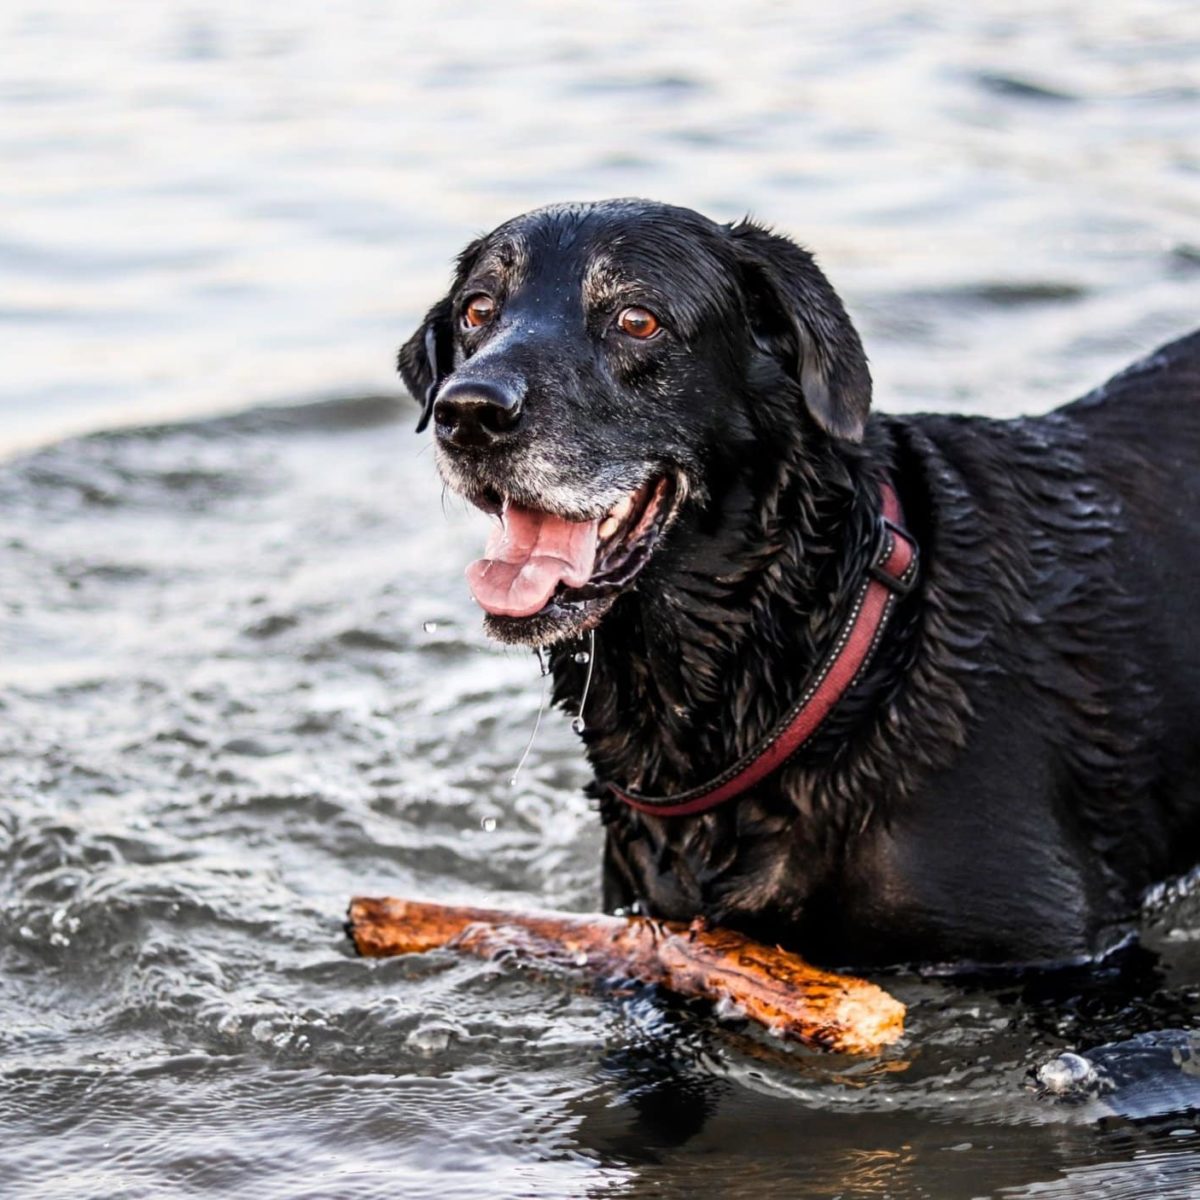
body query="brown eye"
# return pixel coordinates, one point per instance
(479, 310)
(638, 322)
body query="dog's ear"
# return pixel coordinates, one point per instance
(796, 315)
(428, 357)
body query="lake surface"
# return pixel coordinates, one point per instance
(240, 675)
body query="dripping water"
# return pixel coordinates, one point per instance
(582, 657)
(544, 665)
(578, 725)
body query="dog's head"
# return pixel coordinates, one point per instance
(589, 372)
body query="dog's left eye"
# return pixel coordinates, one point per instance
(638, 322)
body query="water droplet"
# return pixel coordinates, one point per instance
(583, 657)
(429, 626)
(488, 824)
(578, 725)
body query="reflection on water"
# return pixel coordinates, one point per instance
(240, 678)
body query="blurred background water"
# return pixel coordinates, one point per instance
(221, 711)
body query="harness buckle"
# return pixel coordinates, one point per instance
(902, 584)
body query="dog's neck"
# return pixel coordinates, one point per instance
(697, 664)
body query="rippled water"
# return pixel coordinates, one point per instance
(222, 713)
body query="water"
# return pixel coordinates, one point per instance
(240, 676)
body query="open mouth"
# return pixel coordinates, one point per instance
(536, 560)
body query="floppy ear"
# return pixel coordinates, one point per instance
(427, 358)
(797, 316)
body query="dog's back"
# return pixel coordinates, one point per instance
(1063, 559)
(1143, 442)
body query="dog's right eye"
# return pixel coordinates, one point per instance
(479, 310)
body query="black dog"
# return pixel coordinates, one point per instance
(671, 416)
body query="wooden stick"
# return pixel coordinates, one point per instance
(769, 985)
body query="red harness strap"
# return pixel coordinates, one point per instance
(890, 575)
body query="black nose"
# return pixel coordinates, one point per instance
(476, 412)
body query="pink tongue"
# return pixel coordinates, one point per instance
(528, 555)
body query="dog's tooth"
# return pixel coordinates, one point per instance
(622, 510)
(608, 527)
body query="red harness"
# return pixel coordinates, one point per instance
(892, 574)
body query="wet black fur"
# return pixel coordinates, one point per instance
(1022, 760)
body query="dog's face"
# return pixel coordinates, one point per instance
(586, 374)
